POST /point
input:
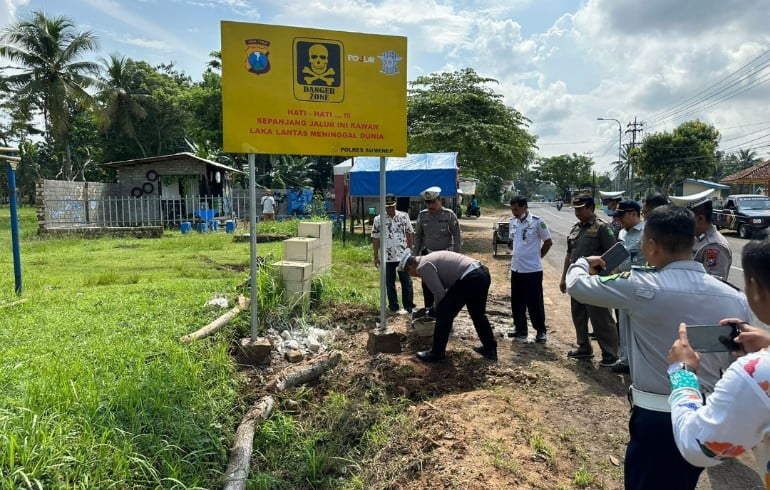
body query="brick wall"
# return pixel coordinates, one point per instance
(61, 202)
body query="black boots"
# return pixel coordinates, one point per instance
(430, 356)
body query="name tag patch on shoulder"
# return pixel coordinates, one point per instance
(646, 293)
(711, 257)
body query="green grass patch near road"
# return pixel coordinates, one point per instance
(95, 389)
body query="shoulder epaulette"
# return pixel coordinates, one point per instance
(643, 268)
(536, 217)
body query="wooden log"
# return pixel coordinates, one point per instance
(237, 471)
(243, 303)
(15, 303)
(304, 374)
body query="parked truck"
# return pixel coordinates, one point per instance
(744, 213)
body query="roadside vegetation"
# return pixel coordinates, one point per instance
(96, 389)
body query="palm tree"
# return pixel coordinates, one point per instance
(51, 75)
(747, 158)
(121, 102)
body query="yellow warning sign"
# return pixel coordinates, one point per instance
(300, 91)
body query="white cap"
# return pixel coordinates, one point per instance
(431, 193)
(693, 200)
(404, 257)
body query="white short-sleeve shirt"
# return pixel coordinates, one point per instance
(528, 235)
(268, 205)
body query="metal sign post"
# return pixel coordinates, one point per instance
(383, 239)
(12, 163)
(253, 248)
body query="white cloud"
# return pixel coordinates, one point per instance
(156, 44)
(140, 24)
(8, 10)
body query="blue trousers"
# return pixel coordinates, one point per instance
(653, 461)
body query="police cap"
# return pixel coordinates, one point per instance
(431, 193)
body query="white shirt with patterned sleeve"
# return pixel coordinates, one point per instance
(395, 237)
(736, 416)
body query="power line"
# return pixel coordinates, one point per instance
(708, 92)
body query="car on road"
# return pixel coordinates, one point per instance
(744, 213)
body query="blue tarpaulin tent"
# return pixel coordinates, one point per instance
(405, 176)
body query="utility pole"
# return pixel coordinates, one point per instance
(634, 127)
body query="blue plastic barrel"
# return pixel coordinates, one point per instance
(186, 227)
(230, 226)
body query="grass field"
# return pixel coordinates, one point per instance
(95, 389)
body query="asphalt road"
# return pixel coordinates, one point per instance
(560, 223)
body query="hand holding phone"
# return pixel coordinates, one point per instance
(613, 257)
(714, 338)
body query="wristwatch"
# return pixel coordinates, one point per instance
(679, 366)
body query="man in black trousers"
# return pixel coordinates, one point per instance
(531, 241)
(455, 280)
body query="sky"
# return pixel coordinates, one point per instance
(561, 63)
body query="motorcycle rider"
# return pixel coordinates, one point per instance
(473, 207)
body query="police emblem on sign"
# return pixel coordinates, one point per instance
(257, 52)
(318, 70)
(390, 61)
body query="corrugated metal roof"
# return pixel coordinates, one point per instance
(166, 158)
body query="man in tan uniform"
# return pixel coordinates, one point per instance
(590, 236)
(711, 248)
(436, 229)
(455, 280)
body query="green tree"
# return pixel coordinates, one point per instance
(52, 74)
(459, 112)
(747, 158)
(121, 99)
(567, 172)
(162, 130)
(687, 151)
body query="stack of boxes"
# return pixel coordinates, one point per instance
(308, 254)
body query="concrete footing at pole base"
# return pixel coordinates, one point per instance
(383, 341)
(253, 352)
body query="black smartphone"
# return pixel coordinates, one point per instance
(713, 338)
(613, 257)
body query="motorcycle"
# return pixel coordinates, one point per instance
(473, 211)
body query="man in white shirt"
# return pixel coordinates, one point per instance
(268, 206)
(399, 236)
(531, 241)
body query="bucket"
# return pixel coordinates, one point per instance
(230, 226)
(202, 227)
(424, 327)
(186, 227)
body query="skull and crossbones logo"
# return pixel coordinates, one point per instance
(318, 58)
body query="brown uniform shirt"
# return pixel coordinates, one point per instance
(592, 238)
(441, 270)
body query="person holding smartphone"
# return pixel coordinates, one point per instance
(657, 299)
(629, 213)
(736, 417)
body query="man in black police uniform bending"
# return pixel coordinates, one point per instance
(455, 280)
